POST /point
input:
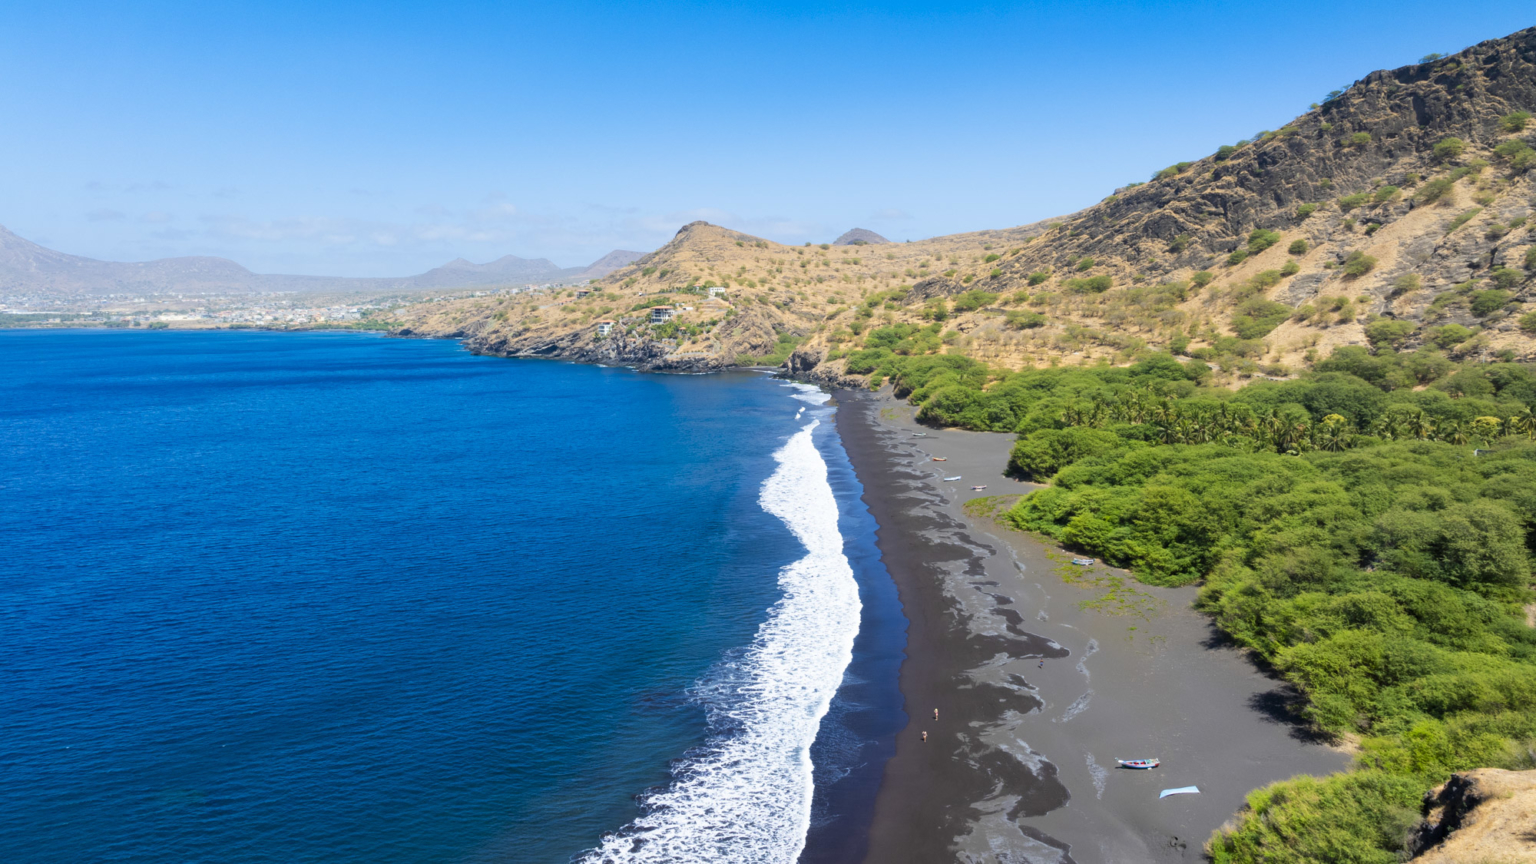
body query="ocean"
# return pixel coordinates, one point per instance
(293, 597)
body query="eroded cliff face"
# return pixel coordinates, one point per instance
(1366, 208)
(1483, 815)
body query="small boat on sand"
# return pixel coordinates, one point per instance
(1082, 562)
(1139, 764)
(940, 459)
(956, 477)
(977, 488)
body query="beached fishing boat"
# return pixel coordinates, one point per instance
(940, 459)
(1082, 562)
(1139, 764)
(977, 488)
(956, 477)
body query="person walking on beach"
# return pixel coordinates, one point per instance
(935, 713)
(925, 734)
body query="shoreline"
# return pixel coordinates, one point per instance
(1020, 764)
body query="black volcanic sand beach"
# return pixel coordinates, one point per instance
(1020, 764)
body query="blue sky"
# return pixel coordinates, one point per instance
(386, 138)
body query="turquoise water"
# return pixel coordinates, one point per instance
(334, 597)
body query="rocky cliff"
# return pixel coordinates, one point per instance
(1483, 815)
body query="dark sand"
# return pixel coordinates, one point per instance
(1021, 764)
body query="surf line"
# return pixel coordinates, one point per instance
(746, 796)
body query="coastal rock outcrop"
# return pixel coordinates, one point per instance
(1484, 815)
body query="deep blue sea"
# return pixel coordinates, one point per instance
(332, 597)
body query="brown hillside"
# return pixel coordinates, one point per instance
(1404, 232)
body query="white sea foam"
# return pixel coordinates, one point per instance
(745, 796)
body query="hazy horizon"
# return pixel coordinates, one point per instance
(363, 141)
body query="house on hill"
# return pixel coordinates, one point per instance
(604, 328)
(662, 314)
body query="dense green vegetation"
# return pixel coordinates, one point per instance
(1370, 540)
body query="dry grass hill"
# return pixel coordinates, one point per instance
(1394, 214)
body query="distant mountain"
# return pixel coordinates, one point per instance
(859, 237)
(27, 268)
(609, 263)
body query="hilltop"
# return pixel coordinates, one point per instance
(1393, 214)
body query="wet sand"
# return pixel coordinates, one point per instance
(1020, 766)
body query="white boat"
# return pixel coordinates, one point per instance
(1082, 562)
(956, 477)
(1139, 764)
(978, 488)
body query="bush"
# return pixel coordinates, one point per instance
(1039, 276)
(1258, 317)
(990, 258)
(1085, 264)
(1305, 210)
(1385, 194)
(1350, 202)
(1358, 264)
(1179, 244)
(1506, 277)
(1171, 170)
(1023, 319)
(1528, 323)
(1450, 149)
(1237, 257)
(1434, 190)
(1359, 139)
(1463, 219)
(1388, 332)
(1449, 336)
(1224, 152)
(974, 299)
(1204, 277)
(1530, 258)
(1089, 285)
(1485, 303)
(1298, 247)
(1405, 283)
(1260, 240)
(1290, 268)
(1514, 121)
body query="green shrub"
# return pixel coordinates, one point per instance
(994, 273)
(974, 299)
(1358, 264)
(1528, 323)
(1450, 149)
(1179, 244)
(1463, 219)
(1511, 148)
(1237, 257)
(1530, 258)
(1085, 264)
(990, 258)
(1405, 283)
(1449, 335)
(1089, 285)
(1256, 318)
(1514, 121)
(1434, 190)
(1224, 152)
(1388, 332)
(1350, 202)
(1039, 276)
(1523, 161)
(1485, 303)
(1171, 170)
(1359, 139)
(1385, 193)
(1305, 210)
(1204, 277)
(1260, 240)
(1298, 247)
(1023, 319)
(1290, 268)
(1506, 277)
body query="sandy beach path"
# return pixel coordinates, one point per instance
(1020, 765)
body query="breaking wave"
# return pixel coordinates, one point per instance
(745, 795)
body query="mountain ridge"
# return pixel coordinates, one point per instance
(30, 268)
